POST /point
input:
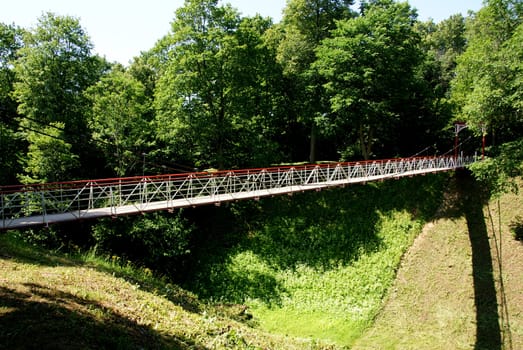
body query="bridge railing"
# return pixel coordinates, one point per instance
(139, 193)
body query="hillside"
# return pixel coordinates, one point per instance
(443, 297)
(459, 286)
(49, 301)
(316, 264)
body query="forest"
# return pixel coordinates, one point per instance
(329, 82)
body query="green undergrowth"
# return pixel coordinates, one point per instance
(308, 271)
(317, 264)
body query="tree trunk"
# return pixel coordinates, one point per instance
(313, 143)
(365, 142)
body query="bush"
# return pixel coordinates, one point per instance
(158, 240)
(68, 237)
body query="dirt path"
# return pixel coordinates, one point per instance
(448, 293)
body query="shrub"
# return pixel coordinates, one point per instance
(158, 240)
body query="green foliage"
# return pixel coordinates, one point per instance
(517, 228)
(118, 120)
(10, 43)
(86, 301)
(157, 240)
(305, 24)
(370, 65)
(499, 173)
(214, 99)
(327, 258)
(49, 157)
(445, 41)
(487, 85)
(488, 90)
(10, 145)
(53, 69)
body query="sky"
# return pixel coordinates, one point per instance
(121, 29)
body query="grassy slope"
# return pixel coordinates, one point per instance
(319, 264)
(53, 302)
(440, 299)
(49, 301)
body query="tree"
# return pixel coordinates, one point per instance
(445, 42)
(370, 65)
(429, 123)
(213, 100)
(118, 120)
(49, 158)
(488, 88)
(10, 146)
(255, 95)
(53, 69)
(157, 240)
(191, 96)
(305, 24)
(10, 43)
(488, 75)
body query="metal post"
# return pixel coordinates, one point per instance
(456, 145)
(3, 209)
(44, 211)
(457, 128)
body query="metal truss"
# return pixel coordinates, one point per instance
(23, 206)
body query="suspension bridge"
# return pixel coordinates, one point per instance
(42, 204)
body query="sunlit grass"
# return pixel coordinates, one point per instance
(319, 265)
(336, 302)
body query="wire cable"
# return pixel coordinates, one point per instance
(423, 150)
(177, 168)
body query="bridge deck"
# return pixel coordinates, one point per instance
(24, 206)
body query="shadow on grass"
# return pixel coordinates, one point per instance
(336, 227)
(155, 285)
(517, 229)
(472, 199)
(44, 318)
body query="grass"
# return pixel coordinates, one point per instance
(318, 265)
(51, 301)
(303, 272)
(439, 299)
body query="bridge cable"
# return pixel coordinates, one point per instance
(179, 167)
(423, 150)
(459, 145)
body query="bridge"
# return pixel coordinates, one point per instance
(42, 204)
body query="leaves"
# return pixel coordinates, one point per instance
(489, 71)
(53, 69)
(49, 158)
(369, 64)
(214, 103)
(305, 25)
(118, 119)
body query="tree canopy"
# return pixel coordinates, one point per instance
(214, 101)
(53, 68)
(487, 89)
(370, 67)
(330, 81)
